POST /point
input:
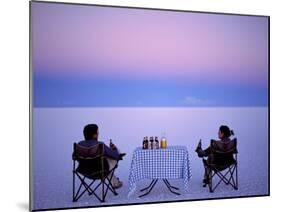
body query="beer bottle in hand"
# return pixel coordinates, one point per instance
(112, 145)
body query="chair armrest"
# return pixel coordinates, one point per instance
(117, 159)
(122, 155)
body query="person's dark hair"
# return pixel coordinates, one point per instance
(90, 130)
(226, 131)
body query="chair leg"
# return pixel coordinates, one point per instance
(236, 177)
(231, 174)
(103, 194)
(236, 172)
(111, 188)
(232, 180)
(93, 192)
(87, 188)
(109, 185)
(105, 187)
(210, 176)
(231, 170)
(76, 197)
(233, 177)
(73, 181)
(73, 186)
(223, 178)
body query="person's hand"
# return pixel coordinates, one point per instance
(112, 146)
(121, 156)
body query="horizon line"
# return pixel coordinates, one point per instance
(110, 107)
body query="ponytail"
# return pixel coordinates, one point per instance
(226, 131)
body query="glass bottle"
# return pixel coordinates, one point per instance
(156, 142)
(143, 143)
(163, 143)
(151, 143)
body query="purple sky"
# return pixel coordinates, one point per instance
(119, 44)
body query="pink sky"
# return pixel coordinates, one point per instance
(84, 41)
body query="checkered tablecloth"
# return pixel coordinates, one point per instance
(169, 163)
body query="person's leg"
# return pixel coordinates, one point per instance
(206, 172)
(203, 153)
(114, 180)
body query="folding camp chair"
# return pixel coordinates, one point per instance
(93, 167)
(226, 172)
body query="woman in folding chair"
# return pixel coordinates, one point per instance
(220, 156)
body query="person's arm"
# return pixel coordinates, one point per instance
(111, 153)
(203, 153)
(207, 151)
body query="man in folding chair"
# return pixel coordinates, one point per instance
(96, 162)
(91, 134)
(220, 160)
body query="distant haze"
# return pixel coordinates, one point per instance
(90, 56)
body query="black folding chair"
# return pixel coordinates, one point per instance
(227, 171)
(92, 167)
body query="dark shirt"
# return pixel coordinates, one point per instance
(216, 158)
(107, 151)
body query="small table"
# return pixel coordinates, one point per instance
(159, 164)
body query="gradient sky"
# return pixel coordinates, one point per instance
(94, 56)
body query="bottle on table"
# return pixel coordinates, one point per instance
(156, 142)
(151, 143)
(163, 143)
(144, 143)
